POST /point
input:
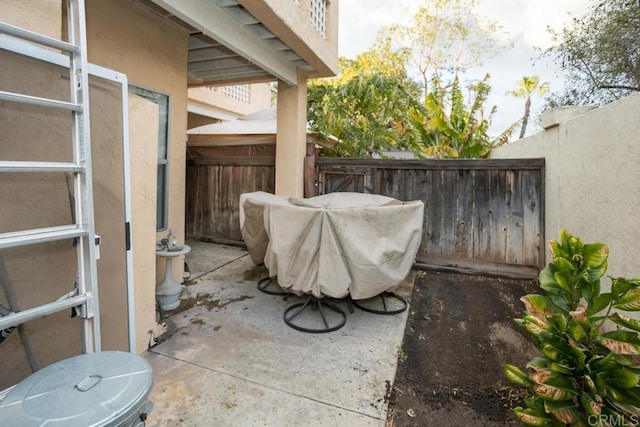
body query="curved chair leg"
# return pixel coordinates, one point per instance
(315, 304)
(265, 282)
(387, 307)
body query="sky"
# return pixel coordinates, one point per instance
(525, 22)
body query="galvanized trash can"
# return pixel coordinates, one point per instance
(100, 389)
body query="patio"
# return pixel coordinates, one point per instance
(229, 359)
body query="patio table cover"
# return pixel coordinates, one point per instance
(334, 245)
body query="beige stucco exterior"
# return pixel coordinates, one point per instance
(152, 51)
(291, 23)
(155, 59)
(292, 129)
(208, 105)
(592, 178)
(43, 273)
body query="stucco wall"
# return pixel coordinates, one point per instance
(38, 273)
(126, 37)
(42, 16)
(152, 52)
(259, 99)
(592, 179)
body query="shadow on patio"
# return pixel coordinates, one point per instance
(229, 359)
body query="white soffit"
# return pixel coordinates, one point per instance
(229, 44)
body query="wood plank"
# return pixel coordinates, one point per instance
(471, 164)
(482, 222)
(450, 195)
(435, 225)
(498, 213)
(233, 161)
(466, 215)
(515, 218)
(533, 218)
(479, 267)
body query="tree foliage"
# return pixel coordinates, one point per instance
(526, 87)
(366, 113)
(374, 105)
(451, 127)
(599, 54)
(444, 38)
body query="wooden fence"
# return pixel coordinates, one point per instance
(482, 215)
(213, 191)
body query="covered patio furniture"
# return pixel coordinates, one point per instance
(336, 245)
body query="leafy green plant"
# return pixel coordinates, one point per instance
(449, 126)
(588, 371)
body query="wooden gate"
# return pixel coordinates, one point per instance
(480, 215)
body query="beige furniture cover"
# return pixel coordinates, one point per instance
(334, 245)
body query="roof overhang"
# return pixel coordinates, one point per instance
(228, 45)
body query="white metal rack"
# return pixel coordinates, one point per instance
(84, 228)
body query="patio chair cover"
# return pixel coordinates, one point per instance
(334, 245)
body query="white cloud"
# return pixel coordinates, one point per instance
(525, 20)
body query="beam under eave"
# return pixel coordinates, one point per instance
(214, 22)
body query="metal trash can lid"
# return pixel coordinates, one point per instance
(97, 389)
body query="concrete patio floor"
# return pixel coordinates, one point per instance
(228, 358)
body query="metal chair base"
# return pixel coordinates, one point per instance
(387, 306)
(265, 282)
(331, 321)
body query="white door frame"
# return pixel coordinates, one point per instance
(20, 47)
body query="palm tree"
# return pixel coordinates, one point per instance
(528, 86)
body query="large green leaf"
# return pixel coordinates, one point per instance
(538, 306)
(624, 378)
(629, 301)
(564, 266)
(624, 396)
(548, 281)
(599, 363)
(556, 249)
(563, 281)
(563, 240)
(556, 388)
(532, 417)
(593, 274)
(579, 356)
(594, 255)
(621, 342)
(591, 403)
(539, 364)
(516, 376)
(626, 321)
(566, 411)
(620, 286)
(557, 342)
(578, 331)
(561, 368)
(535, 325)
(599, 303)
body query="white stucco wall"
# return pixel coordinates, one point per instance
(592, 179)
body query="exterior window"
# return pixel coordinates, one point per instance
(162, 202)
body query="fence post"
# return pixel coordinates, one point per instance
(310, 171)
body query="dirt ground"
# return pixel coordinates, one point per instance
(459, 333)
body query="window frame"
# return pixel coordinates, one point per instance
(163, 101)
